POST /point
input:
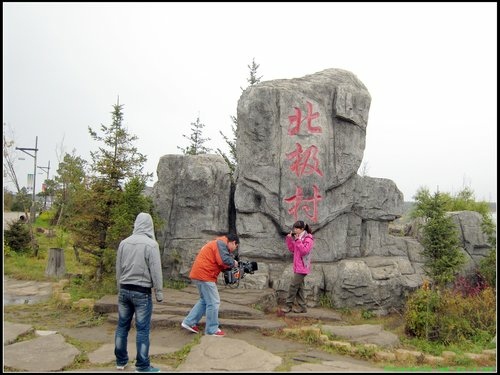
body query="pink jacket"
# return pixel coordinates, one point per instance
(301, 249)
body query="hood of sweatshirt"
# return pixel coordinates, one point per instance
(144, 225)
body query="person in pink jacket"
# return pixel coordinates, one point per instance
(300, 242)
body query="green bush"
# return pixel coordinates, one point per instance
(7, 251)
(325, 300)
(471, 318)
(85, 286)
(367, 314)
(46, 218)
(17, 206)
(421, 312)
(451, 317)
(17, 237)
(488, 268)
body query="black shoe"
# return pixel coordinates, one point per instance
(286, 309)
(300, 310)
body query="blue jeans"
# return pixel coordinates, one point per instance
(208, 305)
(130, 302)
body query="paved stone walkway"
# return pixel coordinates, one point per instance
(244, 349)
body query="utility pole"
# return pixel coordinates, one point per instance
(25, 150)
(46, 169)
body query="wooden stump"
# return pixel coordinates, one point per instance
(56, 265)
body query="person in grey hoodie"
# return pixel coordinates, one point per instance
(138, 270)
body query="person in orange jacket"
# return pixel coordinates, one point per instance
(214, 257)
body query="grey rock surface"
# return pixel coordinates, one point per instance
(25, 291)
(229, 355)
(364, 334)
(32, 355)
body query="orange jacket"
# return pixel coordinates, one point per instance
(211, 260)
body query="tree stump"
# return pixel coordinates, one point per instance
(56, 265)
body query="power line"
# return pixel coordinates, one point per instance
(25, 150)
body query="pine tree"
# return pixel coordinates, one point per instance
(440, 240)
(231, 159)
(197, 142)
(253, 79)
(116, 163)
(132, 202)
(118, 160)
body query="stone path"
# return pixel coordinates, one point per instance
(244, 348)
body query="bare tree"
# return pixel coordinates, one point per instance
(9, 157)
(230, 158)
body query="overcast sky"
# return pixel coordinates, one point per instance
(430, 68)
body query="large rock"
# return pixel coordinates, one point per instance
(192, 197)
(299, 146)
(300, 143)
(474, 242)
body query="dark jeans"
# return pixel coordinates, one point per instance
(296, 291)
(130, 302)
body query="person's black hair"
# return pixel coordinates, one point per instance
(233, 237)
(301, 225)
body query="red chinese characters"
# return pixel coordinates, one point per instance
(304, 163)
(296, 120)
(308, 205)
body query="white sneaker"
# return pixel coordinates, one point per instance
(121, 367)
(194, 329)
(219, 333)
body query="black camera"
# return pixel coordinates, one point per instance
(234, 275)
(248, 267)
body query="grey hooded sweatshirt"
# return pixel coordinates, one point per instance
(138, 259)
